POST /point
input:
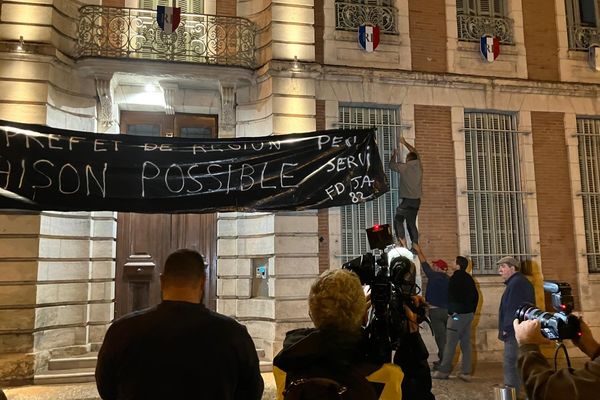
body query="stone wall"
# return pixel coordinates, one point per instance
(56, 269)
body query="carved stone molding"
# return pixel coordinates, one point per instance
(227, 121)
(169, 91)
(105, 114)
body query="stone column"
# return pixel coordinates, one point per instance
(285, 243)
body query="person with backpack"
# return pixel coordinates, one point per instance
(330, 360)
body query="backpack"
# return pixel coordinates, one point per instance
(315, 389)
(321, 388)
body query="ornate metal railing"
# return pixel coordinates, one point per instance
(472, 27)
(350, 15)
(581, 37)
(134, 33)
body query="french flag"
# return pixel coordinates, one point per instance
(368, 37)
(490, 47)
(168, 18)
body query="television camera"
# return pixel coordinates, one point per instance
(559, 325)
(391, 276)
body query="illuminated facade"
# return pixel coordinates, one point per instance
(510, 150)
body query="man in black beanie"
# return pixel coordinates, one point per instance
(462, 303)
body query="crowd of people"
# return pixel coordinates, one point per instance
(179, 349)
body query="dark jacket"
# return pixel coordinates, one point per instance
(462, 293)
(178, 350)
(543, 383)
(518, 291)
(437, 286)
(314, 353)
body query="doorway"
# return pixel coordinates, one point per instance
(145, 240)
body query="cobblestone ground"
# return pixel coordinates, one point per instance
(452, 389)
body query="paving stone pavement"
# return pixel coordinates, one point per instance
(481, 387)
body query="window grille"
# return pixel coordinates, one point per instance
(476, 18)
(497, 218)
(350, 14)
(582, 23)
(357, 217)
(588, 134)
(187, 6)
(487, 8)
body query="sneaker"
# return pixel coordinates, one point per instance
(465, 377)
(440, 375)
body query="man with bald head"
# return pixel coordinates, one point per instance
(178, 349)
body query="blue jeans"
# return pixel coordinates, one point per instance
(458, 329)
(511, 374)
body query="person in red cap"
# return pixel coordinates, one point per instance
(436, 295)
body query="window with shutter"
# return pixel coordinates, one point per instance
(488, 8)
(497, 220)
(476, 18)
(588, 134)
(356, 218)
(187, 6)
(583, 17)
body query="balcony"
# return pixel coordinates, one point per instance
(349, 15)
(127, 33)
(472, 27)
(581, 37)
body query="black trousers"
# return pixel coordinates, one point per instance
(407, 211)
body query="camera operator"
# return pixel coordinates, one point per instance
(335, 349)
(541, 381)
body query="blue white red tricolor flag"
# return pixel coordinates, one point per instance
(168, 18)
(489, 47)
(368, 37)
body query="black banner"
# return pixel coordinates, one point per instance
(43, 168)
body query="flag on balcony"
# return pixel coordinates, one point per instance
(594, 57)
(168, 18)
(368, 37)
(489, 47)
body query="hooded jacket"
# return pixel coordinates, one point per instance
(337, 356)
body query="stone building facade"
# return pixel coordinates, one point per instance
(510, 149)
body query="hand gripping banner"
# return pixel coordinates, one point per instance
(44, 168)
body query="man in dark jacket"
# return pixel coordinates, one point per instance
(436, 295)
(178, 349)
(462, 303)
(541, 381)
(518, 291)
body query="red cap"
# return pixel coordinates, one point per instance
(441, 264)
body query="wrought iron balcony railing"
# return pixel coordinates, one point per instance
(472, 27)
(134, 33)
(581, 37)
(350, 15)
